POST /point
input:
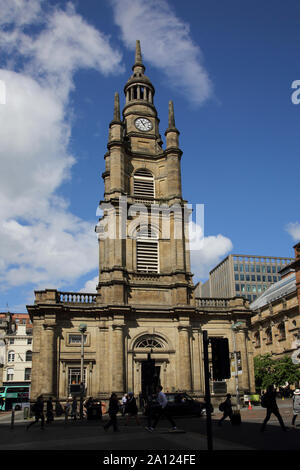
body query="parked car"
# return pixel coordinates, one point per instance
(182, 404)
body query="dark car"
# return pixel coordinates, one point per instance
(182, 404)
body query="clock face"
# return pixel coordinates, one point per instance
(143, 124)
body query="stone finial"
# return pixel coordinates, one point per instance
(171, 116)
(138, 53)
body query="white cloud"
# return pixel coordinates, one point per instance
(90, 286)
(166, 43)
(207, 252)
(40, 240)
(294, 230)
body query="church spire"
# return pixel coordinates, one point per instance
(138, 63)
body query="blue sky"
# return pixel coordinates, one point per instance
(227, 65)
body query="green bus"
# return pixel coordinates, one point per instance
(13, 396)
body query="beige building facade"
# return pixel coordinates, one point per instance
(145, 301)
(275, 325)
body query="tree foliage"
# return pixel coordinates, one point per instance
(269, 371)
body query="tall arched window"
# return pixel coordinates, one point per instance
(28, 356)
(143, 184)
(257, 339)
(11, 356)
(281, 330)
(269, 335)
(147, 251)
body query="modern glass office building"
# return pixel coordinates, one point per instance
(243, 275)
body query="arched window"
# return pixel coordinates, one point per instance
(11, 356)
(147, 251)
(269, 335)
(28, 356)
(143, 184)
(149, 342)
(281, 330)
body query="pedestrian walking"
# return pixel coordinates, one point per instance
(162, 411)
(131, 408)
(268, 400)
(38, 409)
(113, 409)
(67, 409)
(123, 404)
(58, 409)
(49, 411)
(226, 407)
(296, 406)
(74, 408)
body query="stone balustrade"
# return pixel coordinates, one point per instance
(77, 297)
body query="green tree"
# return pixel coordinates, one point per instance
(286, 371)
(274, 372)
(263, 370)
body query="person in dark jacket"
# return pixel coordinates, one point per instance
(113, 409)
(271, 405)
(227, 409)
(38, 409)
(131, 408)
(49, 411)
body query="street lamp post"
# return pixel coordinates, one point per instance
(82, 329)
(235, 327)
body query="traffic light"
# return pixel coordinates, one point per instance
(220, 358)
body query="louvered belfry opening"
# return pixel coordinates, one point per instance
(143, 184)
(147, 251)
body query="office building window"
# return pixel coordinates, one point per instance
(241, 268)
(257, 268)
(247, 268)
(259, 277)
(237, 287)
(236, 268)
(11, 356)
(253, 288)
(28, 356)
(236, 277)
(269, 278)
(247, 277)
(74, 376)
(253, 278)
(268, 269)
(242, 277)
(243, 287)
(10, 374)
(274, 278)
(248, 288)
(27, 375)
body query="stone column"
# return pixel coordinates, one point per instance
(118, 360)
(49, 366)
(103, 362)
(184, 361)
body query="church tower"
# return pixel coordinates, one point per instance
(145, 302)
(144, 259)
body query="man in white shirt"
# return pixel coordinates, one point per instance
(162, 410)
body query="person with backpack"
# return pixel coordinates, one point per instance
(226, 408)
(296, 406)
(38, 409)
(268, 400)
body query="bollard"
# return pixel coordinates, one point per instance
(26, 412)
(12, 419)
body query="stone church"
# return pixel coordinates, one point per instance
(145, 301)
